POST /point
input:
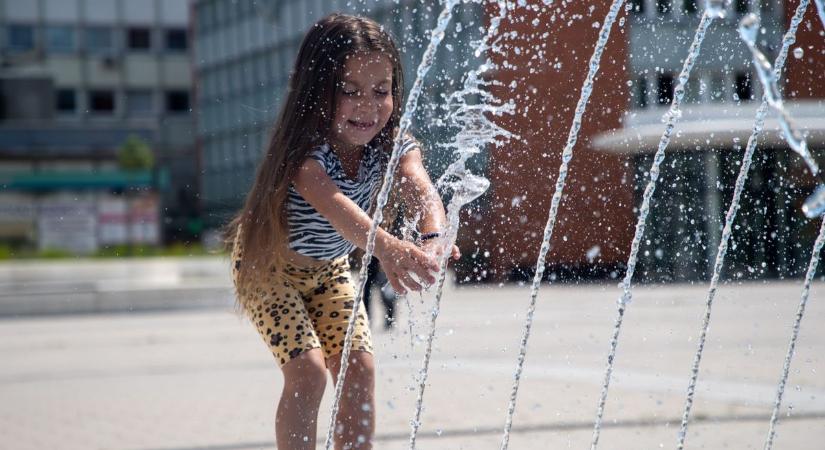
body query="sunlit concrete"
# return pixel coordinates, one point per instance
(202, 378)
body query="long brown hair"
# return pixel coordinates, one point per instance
(304, 122)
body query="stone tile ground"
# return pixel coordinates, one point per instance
(202, 379)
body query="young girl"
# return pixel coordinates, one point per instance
(309, 207)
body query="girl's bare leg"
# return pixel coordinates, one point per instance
(296, 422)
(355, 426)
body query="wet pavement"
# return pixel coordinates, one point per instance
(195, 377)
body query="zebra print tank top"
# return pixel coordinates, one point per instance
(310, 233)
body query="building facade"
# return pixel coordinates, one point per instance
(78, 78)
(771, 238)
(245, 48)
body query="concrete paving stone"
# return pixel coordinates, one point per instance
(203, 379)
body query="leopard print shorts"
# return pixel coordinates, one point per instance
(296, 309)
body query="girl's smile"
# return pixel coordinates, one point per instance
(362, 126)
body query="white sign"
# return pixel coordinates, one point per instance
(113, 220)
(144, 220)
(68, 224)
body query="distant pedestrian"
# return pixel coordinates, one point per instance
(388, 296)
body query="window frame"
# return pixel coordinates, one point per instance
(47, 39)
(58, 101)
(168, 101)
(101, 112)
(98, 50)
(31, 38)
(134, 45)
(167, 39)
(130, 95)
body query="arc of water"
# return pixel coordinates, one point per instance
(820, 9)
(567, 156)
(474, 187)
(758, 124)
(712, 11)
(476, 130)
(800, 312)
(749, 31)
(436, 36)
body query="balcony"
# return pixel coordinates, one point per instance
(706, 125)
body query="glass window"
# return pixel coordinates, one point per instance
(663, 6)
(744, 89)
(249, 73)
(102, 101)
(693, 92)
(665, 89)
(717, 88)
(21, 37)
(275, 65)
(262, 69)
(230, 12)
(177, 101)
(99, 39)
(741, 6)
(139, 38)
(176, 39)
(66, 100)
(690, 6)
(60, 39)
(139, 102)
(236, 81)
(202, 18)
(641, 92)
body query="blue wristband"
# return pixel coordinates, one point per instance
(428, 236)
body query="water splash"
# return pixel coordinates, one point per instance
(476, 131)
(749, 31)
(713, 10)
(466, 188)
(566, 157)
(758, 125)
(800, 312)
(436, 36)
(407, 233)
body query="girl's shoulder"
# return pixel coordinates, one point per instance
(323, 154)
(408, 143)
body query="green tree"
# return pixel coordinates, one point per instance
(135, 154)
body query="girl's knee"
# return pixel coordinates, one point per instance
(361, 372)
(306, 374)
(363, 363)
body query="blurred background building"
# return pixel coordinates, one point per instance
(99, 145)
(244, 50)
(772, 238)
(96, 130)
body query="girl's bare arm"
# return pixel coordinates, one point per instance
(398, 258)
(419, 193)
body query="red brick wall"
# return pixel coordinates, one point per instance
(597, 206)
(806, 76)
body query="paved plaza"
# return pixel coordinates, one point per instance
(200, 378)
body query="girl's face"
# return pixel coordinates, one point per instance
(364, 100)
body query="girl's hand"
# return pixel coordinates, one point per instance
(401, 259)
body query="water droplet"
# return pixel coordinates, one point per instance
(798, 53)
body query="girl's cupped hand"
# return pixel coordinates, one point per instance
(406, 265)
